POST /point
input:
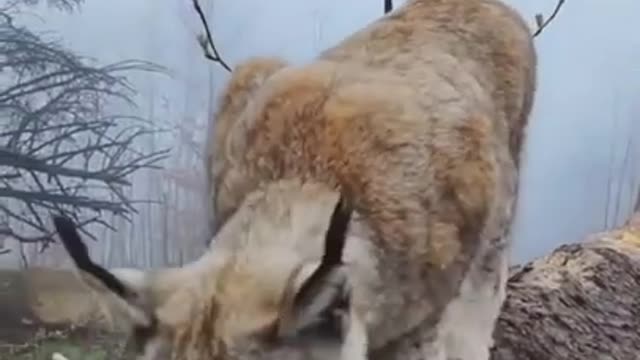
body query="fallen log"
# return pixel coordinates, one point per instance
(580, 302)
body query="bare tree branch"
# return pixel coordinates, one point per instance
(20, 161)
(79, 201)
(542, 24)
(59, 151)
(206, 41)
(27, 240)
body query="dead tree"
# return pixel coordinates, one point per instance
(63, 146)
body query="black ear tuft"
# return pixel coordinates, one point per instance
(332, 257)
(337, 233)
(326, 291)
(80, 255)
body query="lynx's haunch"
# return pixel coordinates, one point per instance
(357, 199)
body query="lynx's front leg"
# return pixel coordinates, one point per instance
(469, 320)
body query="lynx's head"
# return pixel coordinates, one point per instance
(272, 286)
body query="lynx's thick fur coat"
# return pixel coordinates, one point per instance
(359, 198)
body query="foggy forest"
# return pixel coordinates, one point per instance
(104, 109)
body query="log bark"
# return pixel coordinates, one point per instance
(580, 302)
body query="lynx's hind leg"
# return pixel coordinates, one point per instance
(469, 320)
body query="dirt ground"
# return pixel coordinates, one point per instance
(43, 311)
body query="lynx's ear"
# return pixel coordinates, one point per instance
(122, 288)
(319, 305)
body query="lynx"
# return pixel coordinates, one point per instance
(356, 200)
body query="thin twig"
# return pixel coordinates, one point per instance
(543, 24)
(215, 57)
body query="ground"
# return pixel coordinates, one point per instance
(36, 319)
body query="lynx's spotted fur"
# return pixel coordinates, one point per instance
(358, 199)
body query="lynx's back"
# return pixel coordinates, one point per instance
(479, 45)
(449, 54)
(359, 200)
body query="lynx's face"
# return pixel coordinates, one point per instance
(236, 303)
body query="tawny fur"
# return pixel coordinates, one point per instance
(421, 117)
(419, 120)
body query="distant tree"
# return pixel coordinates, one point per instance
(63, 148)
